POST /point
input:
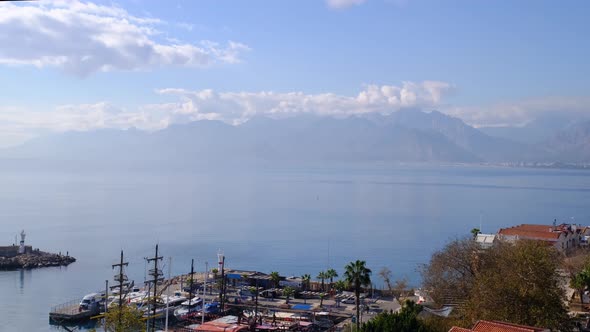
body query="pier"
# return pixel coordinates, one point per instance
(70, 312)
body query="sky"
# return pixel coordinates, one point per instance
(78, 65)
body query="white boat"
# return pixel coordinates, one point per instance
(165, 307)
(187, 307)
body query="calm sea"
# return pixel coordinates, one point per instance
(291, 220)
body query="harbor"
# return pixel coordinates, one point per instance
(282, 239)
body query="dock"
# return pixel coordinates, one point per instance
(70, 312)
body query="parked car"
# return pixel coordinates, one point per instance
(91, 301)
(350, 300)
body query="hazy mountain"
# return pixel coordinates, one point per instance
(571, 144)
(534, 132)
(405, 136)
(455, 130)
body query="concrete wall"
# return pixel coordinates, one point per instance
(11, 251)
(8, 251)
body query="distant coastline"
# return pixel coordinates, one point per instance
(546, 165)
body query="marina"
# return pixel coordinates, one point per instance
(220, 299)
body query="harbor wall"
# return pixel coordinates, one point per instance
(12, 251)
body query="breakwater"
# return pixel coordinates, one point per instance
(35, 259)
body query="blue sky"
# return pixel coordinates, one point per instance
(153, 63)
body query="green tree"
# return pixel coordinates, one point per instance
(519, 283)
(406, 320)
(579, 282)
(215, 271)
(474, 232)
(123, 319)
(357, 275)
(322, 276)
(331, 274)
(275, 277)
(578, 267)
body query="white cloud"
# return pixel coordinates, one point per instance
(238, 107)
(82, 38)
(340, 4)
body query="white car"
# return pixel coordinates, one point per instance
(350, 300)
(91, 301)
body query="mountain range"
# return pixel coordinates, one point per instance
(403, 136)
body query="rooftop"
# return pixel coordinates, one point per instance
(495, 326)
(485, 238)
(543, 232)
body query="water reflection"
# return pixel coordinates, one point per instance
(24, 274)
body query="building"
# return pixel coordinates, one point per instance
(495, 326)
(485, 241)
(564, 237)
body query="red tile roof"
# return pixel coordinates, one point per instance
(494, 326)
(459, 329)
(544, 232)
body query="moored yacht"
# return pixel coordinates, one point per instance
(187, 307)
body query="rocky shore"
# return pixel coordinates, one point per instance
(35, 260)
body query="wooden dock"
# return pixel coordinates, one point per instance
(70, 312)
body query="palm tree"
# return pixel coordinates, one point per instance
(331, 273)
(288, 291)
(357, 275)
(322, 276)
(340, 285)
(275, 277)
(306, 278)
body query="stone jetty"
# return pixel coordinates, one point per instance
(23, 256)
(35, 259)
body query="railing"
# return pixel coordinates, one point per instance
(71, 307)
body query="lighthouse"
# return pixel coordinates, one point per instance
(21, 248)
